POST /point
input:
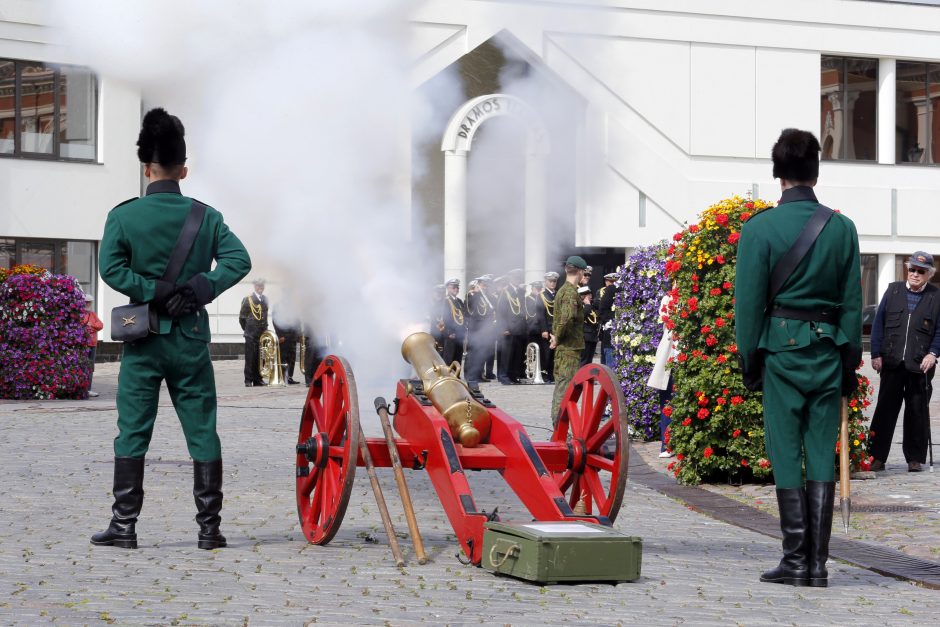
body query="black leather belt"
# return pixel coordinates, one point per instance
(825, 315)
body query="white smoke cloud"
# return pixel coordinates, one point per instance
(297, 119)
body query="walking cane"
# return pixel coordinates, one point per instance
(845, 498)
(928, 390)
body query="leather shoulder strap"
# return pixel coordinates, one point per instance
(185, 241)
(795, 254)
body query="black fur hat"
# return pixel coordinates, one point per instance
(796, 156)
(161, 139)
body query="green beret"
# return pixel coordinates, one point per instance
(576, 261)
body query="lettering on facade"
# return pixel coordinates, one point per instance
(486, 109)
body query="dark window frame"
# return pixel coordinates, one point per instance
(929, 122)
(56, 154)
(843, 91)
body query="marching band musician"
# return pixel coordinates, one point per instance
(253, 318)
(591, 325)
(288, 334)
(510, 323)
(533, 306)
(546, 354)
(604, 306)
(481, 326)
(454, 316)
(436, 317)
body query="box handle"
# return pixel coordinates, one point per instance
(509, 553)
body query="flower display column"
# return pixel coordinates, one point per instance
(636, 333)
(42, 340)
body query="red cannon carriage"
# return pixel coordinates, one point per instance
(447, 428)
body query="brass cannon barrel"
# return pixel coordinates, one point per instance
(469, 421)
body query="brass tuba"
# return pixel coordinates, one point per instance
(533, 363)
(303, 352)
(269, 359)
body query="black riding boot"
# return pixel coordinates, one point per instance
(207, 490)
(819, 502)
(128, 499)
(794, 567)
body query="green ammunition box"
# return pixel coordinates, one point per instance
(552, 552)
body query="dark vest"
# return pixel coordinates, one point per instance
(908, 335)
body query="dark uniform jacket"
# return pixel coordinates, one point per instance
(253, 327)
(828, 278)
(902, 336)
(546, 311)
(509, 311)
(481, 311)
(454, 314)
(604, 306)
(533, 315)
(591, 323)
(139, 236)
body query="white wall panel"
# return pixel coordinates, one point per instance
(917, 211)
(722, 103)
(786, 80)
(651, 77)
(868, 207)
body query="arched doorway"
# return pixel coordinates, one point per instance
(456, 144)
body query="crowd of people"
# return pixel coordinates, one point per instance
(491, 330)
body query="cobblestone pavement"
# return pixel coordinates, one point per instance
(895, 508)
(56, 461)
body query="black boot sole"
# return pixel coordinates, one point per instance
(819, 582)
(120, 543)
(212, 544)
(790, 581)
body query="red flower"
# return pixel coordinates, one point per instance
(745, 216)
(733, 238)
(686, 422)
(667, 411)
(721, 359)
(706, 329)
(719, 322)
(737, 400)
(721, 400)
(720, 258)
(708, 452)
(711, 340)
(732, 348)
(693, 304)
(749, 205)
(715, 291)
(693, 228)
(763, 463)
(683, 357)
(727, 285)
(677, 236)
(736, 433)
(671, 465)
(680, 456)
(722, 219)
(744, 462)
(703, 413)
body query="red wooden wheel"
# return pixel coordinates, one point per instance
(593, 483)
(327, 449)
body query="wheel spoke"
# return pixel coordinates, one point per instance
(575, 492)
(587, 403)
(599, 462)
(564, 481)
(574, 418)
(597, 412)
(305, 486)
(595, 441)
(329, 395)
(595, 488)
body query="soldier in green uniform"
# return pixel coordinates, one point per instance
(810, 342)
(135, 247)
(567, 330)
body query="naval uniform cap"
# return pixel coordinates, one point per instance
(584, 290)
(921, 260)
(535, 284)
(258, 281)
(486, 277)
(551, 276)
(611, 276)
(452, 282)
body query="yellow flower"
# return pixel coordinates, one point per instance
(856, 442)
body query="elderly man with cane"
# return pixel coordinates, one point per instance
(905, 342)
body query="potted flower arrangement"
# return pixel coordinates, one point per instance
(42, 339)
(717, 425)
(636, 333)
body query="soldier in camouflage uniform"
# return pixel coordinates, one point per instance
(567, 330)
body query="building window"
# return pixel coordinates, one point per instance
(918, 126)
(47, 111)
(849, 94)
(76, 258)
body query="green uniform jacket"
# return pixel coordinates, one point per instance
(568, 320)
(828, 277)
(139, 236)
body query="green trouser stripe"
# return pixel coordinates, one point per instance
(801, 412)
(185, 365)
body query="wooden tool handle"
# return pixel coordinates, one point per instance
(380, 501)
(402, 486)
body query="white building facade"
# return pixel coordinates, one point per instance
(680, 103)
